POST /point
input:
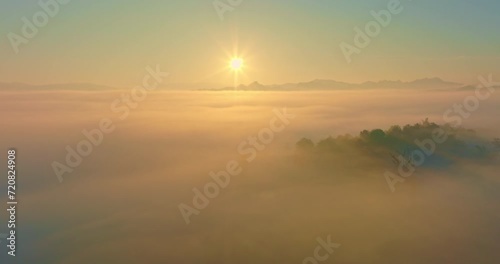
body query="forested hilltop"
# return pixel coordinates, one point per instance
(422, 144)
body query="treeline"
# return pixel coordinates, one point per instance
(443, 144)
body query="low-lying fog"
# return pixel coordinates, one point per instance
(123, 202)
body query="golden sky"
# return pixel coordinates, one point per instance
(111, 42)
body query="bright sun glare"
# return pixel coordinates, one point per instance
(236, 64)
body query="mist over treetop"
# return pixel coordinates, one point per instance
(443, 145)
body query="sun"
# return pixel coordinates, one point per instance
(236, 64)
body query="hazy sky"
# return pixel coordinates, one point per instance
(111, 42)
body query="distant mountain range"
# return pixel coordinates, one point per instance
(315, 85)
(427, 83)
(61, 86)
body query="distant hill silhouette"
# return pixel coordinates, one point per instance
(62, 86)
(314, 85)
(320, 84)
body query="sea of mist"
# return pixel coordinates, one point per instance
(121, 204)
